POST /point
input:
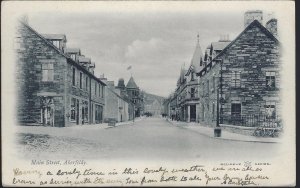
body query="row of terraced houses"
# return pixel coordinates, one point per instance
(236, 81)
(56, 85)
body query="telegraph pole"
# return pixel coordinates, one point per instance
(218, 130)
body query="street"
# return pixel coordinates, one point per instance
(148, 139)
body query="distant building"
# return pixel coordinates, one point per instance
(116, 106)
(135, 96)
(153, 104)
(54, 87)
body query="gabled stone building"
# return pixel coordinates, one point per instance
(54, 87)
(246, 76)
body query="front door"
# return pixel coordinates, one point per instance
(47, 111)
(193, 113)
(77, 110)
(82, 114)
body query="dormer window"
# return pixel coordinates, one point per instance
(192, 76)
(73, 56)
(56, 43)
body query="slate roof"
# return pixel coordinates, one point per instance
(72, 50)
(195, 62)
(182, 74)
(252, 24)
(219, 45)
(131, 83)
(255, 23)
(55, 36)
(83, 59)
(69, 60)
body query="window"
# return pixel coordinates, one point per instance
(73, 76)
(99, 90)
(95, 88)
(47, 72)
(80, 80)
(192, 76)
(213, 83)
(73, 109)
(102, 92)
(192, 92)
(56, 43)
(73, 56)
(236, 79)
(270, 110)
(236, 109)
(270, 80)
(86, 82)
(213, 110)
(207, 86)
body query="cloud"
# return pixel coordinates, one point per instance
(146, 49)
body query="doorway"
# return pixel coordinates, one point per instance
(193, 113)
(77, 110)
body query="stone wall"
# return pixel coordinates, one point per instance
(33, 51)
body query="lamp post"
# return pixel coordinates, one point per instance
(218, 130)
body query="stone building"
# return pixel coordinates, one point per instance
(55, 88)
(245, 75)
(187, 87)
(117, 106)
(136, 97)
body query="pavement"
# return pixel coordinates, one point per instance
(225, 135)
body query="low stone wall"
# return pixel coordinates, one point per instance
(239, 129)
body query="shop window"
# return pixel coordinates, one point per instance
(73, 109)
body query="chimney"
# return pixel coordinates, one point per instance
(271, 25)
(121, 84)
(252, 15)
(111, 83)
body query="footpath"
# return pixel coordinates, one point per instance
(225, 135)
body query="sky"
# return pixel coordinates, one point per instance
(156, 44)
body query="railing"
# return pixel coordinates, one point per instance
(253, 120)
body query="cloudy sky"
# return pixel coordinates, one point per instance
(155, 43)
